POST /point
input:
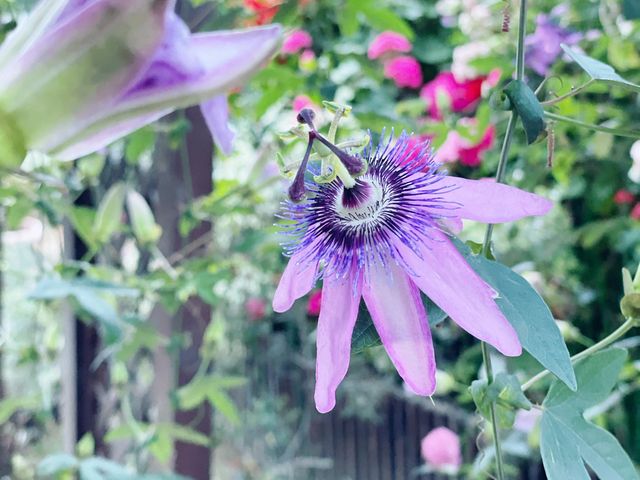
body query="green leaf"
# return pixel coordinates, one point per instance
(382, 19)
(568, 440)
(526, 104)
(527, 313)
(88, 293)
(11, 405)
(211, 388)
(600, 71)
(184, 434)
(55, 464)
(99, 468)
(223, 404)
(86, 446)
(631, 9)
(366, 336)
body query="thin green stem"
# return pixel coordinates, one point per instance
(522, 30)
(500, 173)
(591, 126)
(573, 92)
(605, 342)
(486, 357)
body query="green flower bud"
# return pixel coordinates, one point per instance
(630, 305)
(143, 223)
(109, 216)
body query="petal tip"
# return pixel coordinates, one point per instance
(281, 306)
(325, 402)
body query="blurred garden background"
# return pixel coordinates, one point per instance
(137, 336)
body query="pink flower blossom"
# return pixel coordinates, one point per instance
(386, 252)
(265, 10)
(441, 449)
(623, 197)
(388, 42)
(255, 308)
(404, 71)
(315, 299)
(296, 41)
(459, 96)
(300, 102)
(457, 148)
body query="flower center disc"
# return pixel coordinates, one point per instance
(362, 205)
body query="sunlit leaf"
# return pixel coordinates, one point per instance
(600, 71)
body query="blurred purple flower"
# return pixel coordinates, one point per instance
(543, 46)
(382, 240)
(441, 449)
(79, 74)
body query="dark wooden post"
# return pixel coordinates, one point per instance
(182, 175)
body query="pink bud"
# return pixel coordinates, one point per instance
(315, 299)
(635, 212)
(296, 41)
(404, 71)
(255, 308)
(388, 42)
(623, 197)
(441, 448)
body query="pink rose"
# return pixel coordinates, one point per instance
(441, 449)
(388, 42)
(255, 308)
(296, 41)
(404, 71)
(459, 95)
(456, 148)
(315, 299)
(623, 197)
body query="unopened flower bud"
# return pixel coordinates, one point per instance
(306, 116)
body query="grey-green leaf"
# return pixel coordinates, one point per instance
(600, 71)
(568, 440)
(527, 313)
